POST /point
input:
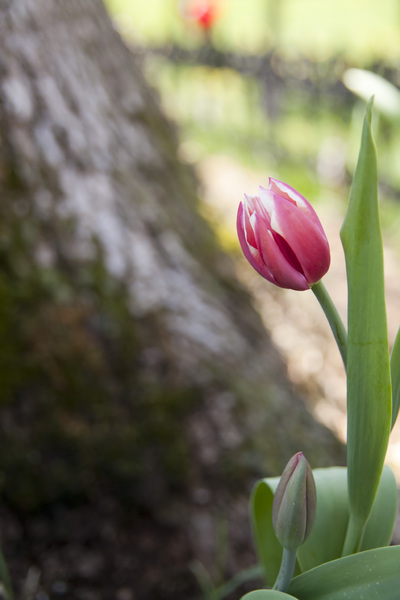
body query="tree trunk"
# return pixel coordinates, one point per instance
(140, 395)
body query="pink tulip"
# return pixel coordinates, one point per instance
(282, 237)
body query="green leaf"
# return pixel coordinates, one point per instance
(380, 525)
(269, 550)
(395, 375)
(327, 537)
(267, 595)
(369, 400)
(373, 574)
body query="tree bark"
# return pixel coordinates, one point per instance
(141, 396)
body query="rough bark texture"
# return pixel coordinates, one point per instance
(140, 395)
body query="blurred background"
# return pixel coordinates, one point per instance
(278, 88)
(148, 376)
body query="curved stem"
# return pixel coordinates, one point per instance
(334, 320)
(286, 571)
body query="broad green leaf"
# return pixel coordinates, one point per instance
(395, 375)
(269, 550)
(380, 525)
(327, 537)
(370, 575)
(267, 595)
(369, 402)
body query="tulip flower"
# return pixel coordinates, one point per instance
(282, 237)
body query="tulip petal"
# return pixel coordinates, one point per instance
(308, 243)
(248, 214)
(251, 253)
(284, 274)
(286, 191)
(283, 190)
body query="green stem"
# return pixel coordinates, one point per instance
(286, 571)
(355, 531)
(334, 320)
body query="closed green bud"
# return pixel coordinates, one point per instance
(295, 503)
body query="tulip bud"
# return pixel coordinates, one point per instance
(282, 237)
(295, 503)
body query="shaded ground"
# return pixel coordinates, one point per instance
(94, 552)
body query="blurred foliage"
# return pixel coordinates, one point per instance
(264, 86)
(311, 27)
